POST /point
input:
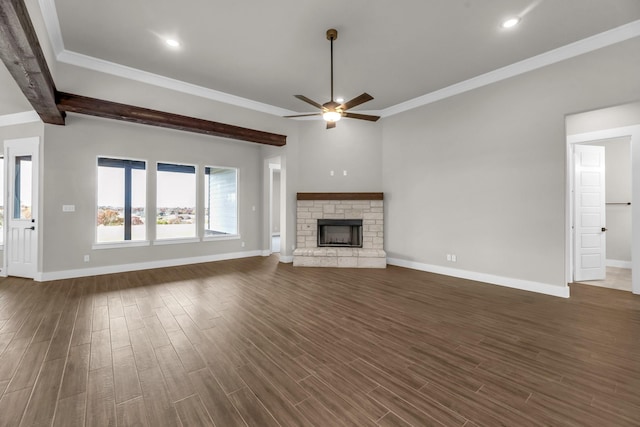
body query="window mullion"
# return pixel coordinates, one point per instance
(127, 202)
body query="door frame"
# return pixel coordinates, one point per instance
(272, 168)
(35, 140)
(628, 131)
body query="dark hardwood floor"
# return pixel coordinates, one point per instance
(254, 342)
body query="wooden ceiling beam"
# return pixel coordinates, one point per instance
(112, 110)
(22, 55)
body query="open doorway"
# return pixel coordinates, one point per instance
(602, 213)
(590, 130)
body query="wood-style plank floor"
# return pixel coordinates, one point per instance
(259, 343)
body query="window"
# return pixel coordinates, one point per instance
(176, 201)
(1, 200)
(220, 201)
(122, 189)
(22, 190)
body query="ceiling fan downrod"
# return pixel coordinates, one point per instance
(332, 34)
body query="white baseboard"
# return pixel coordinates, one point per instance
(286, 259)
(525, 285)
(110, 269)
(619, 264)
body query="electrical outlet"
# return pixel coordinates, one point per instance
(454, 258)
(448, 257)
(87, 258)
(331, 173)
(242, 244)
(344, 172)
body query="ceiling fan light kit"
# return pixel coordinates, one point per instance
(333, 111)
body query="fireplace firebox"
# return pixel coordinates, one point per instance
(345, 233)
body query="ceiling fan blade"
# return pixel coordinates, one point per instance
(308, 101)
(361, 116)
(303, 115)
(331, 125)
(356, 101)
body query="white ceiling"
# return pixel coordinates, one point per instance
(267, 51)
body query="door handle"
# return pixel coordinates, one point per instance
(33, 227)
(604, 229)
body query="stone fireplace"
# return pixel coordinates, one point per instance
(340, 230)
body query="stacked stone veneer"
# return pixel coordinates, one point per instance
(371, 255)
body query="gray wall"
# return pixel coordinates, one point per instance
(483, 174)
(354, 146)
(70, 154)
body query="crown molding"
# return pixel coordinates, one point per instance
(19, 118)
(52, 23)
(598, 41)
(130, 73)
(589, 44)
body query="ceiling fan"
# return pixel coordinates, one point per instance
(333, 111)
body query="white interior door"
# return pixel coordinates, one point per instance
(21, 247)
(589, 205)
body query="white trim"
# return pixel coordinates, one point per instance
(51, 21)
(175, 241)
(598, 41)
(619, 264)
(266, 252)
(110, 269)
(603, 134)
(19, 118)
(130, 73)
(221, 237)
(525, 285)
(286, 259)
(122, 244)
(589, 44)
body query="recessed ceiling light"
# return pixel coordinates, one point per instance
(172, 42)
(511, 22)
(340, 100)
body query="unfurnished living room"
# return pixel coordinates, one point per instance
(367, 213)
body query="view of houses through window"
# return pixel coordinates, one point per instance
(176, 201)
(122, 192)
(122, 188)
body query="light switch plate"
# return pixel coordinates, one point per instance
(68, 208)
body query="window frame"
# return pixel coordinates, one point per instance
(4, 200)
(122, 243)
(238, 234)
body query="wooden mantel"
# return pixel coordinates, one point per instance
(340, 196)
